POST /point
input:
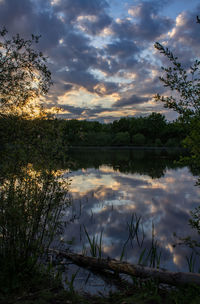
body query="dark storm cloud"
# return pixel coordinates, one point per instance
(132, 100)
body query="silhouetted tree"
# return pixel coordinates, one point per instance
(24, 76)
(185, 83)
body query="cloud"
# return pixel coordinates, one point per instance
(17, 15)
(89, 16)
(91, 49)
(93, 24)
(70, 111)
(185, 34)
(29, 17)
(72, 9)
(122, 49)
(132, 100)
(165, 204)
(146, 23)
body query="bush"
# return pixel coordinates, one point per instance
(121, 138)
(139, 139)
(158, 142)
(172, 142)
(31, 206)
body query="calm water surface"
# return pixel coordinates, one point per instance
(112, 186)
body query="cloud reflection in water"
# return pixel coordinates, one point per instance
(108, 198)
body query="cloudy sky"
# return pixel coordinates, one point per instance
(101, 53)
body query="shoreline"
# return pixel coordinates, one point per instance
(128, 147)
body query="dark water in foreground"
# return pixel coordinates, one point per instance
(112, 187)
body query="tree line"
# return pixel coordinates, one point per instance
(150, 131)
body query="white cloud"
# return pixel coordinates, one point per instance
(91, 18)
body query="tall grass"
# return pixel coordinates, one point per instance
(135, 231)
(31, 205)
(95, 244)
(191, 262)
(135, 228)
(151, 257)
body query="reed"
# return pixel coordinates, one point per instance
(135, 231)
(191, 262)
(134, 228)
(70, 283)
(95, 244)
(151, 257)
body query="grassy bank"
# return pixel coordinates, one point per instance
(44, 289)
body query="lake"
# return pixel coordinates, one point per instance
(114, 189)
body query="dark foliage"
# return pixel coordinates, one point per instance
(151, 131)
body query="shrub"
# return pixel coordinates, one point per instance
(139, 139)
(158, 142)
(30, 217)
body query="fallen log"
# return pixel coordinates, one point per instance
(160, 275)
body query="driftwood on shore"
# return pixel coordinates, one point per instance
(161, 275)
